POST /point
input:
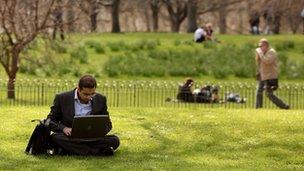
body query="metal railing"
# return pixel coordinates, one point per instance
(145, 93)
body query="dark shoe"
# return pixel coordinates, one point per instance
(108, 152)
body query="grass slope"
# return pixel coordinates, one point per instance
(96, 61)
(166, 139)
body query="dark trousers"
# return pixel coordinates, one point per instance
(84, 146)
(201, 39)
(263, 85)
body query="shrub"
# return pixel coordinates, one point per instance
(136, 46)
(283, 62)
(188, 42)
(92, 43)
(209, 44)
(159, 54)
(95, 72)
(80, 54)
(219, 62)
(58, 47)
(288, 44)
(63, 70)
(151, 44)
(285, 45)
(96, 45)
(77, 72)
(177, 42)
(117, 46)
(99, 49)
(33, 45)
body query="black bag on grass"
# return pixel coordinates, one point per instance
(40, 139)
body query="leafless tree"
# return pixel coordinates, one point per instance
(177, 10)
(21, 22)
(155, 7)
(91, 8)
(115, 16)
(293, 12)
(192, 15)
(70, 15)
(57, 16)
(219, 6)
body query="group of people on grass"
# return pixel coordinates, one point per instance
(205, 94)
(204, 33)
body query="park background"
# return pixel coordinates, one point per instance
(149, 52)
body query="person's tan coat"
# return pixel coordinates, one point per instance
(267, 64)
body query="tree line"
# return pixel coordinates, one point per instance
(180, 15)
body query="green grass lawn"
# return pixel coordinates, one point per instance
(166, 139)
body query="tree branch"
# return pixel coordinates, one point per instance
(222, 5)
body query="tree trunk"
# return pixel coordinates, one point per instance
(191, 17)
(94, 10)
(177, 16)
(115, 17)
(148, 28)
(175, 25)
(155, 10)
(222, 20)
(12, 72)
(93, 18)
(11, 87)
(303, 25)
(277, 24)
(70, 16)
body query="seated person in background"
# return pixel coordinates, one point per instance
(209, 32)
(234, 97)
(215, 95)
(203, 95)
(199, 35)
(185, 91)
(207, 94)
(81, 101)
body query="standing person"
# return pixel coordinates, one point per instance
(81, 101)
(254, 20)
(199, 35)
(267, 74)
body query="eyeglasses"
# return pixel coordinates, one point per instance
(88, 95)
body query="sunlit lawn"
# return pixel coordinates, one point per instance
(171, 139)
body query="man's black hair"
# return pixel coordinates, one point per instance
(87, 81)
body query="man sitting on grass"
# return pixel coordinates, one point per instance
(81, 101)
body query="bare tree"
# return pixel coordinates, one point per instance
(223, 11)
(58, 20)
(192, 15)
(115, 16)
(274, 11)
(293, 11)
(177, 11)
(219, 6)
(70, 15)
(143, 7)
(155, 6)
(21, 22)
(92, 9)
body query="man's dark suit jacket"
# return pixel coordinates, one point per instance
(63, 110)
